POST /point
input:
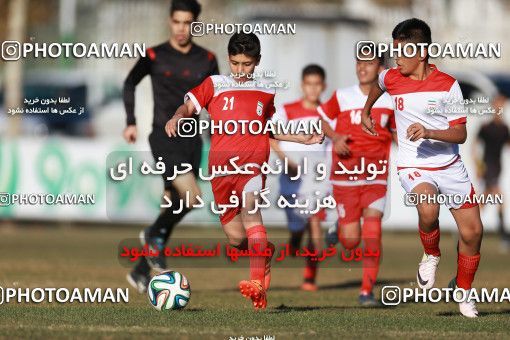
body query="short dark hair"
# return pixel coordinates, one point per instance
(313, 69)
(244, 43)
(186, 6)
(372, 48)
(413, 30)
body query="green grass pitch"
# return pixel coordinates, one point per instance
(87, 257)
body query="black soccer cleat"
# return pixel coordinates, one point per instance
(138, 281)
(368, 300)
(331, 238)
(452, 285)
(158, 263)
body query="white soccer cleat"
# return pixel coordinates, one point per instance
(468, 309)
(426, 275)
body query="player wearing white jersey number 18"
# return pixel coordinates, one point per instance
(430, 126)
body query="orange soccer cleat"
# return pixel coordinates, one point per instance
(267, 273)
(309, 287)
(254, 291)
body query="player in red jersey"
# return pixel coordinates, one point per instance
(360, 196)
(239, 98)
(428, 154)
(313, 83)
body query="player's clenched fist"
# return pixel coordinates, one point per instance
(315, 138)
(171, 126)
(130, 134)
(340, 145)
(367, 124)
(416, 131)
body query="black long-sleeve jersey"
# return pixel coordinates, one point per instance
(172, 74)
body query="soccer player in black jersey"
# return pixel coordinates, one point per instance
(175, 67)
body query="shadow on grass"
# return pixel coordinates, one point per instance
(480, 314)
(345, 285)
(286, 309)
(192, 310)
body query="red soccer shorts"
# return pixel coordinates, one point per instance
(222, 188)
(351, 200)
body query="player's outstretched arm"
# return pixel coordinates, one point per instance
(314, 138)
(282, 156)
(328, 130)
(339, 140)
(276, 148)
(366, 122)
(454, 134)
(186, 110)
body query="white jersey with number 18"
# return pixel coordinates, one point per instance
(436, 103)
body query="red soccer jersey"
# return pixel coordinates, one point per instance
(227, 100)
(295, 110)
(292, 114)
(346, 106)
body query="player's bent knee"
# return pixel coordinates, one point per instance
(372, 214)
(428, 216)
(234, 236)
(349, 235)
(425, 188)
(472, 233)
(428, 211)
(350, 241)
(428, 224)
(193, 194)
(235, 241)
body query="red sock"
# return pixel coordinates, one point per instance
(371, 235)
(466, 269)
(310, 271)
(257, 239)
(430, 241)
